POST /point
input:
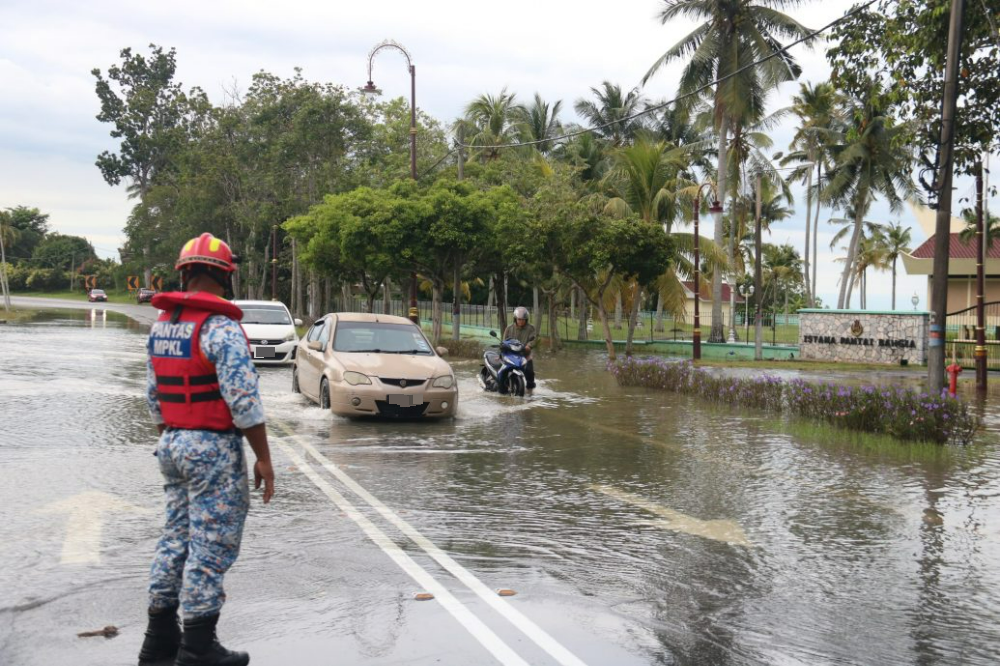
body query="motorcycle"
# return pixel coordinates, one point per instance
(503, 371)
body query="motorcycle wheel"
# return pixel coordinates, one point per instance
(515, 385)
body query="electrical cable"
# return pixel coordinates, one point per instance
(663, 105)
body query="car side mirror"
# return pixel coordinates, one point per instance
(442, 351)
(494, 334)
(315, 345)
(297, 321)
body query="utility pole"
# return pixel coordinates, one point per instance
(274, 262)
(758, 349)
(72, 265)
(942, 229)
(981, 253)
(456, 298)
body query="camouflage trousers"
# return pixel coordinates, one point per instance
(208, 495)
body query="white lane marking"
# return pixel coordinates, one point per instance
(720, 530)
(475, 626)
(85, 523)
(515, 617)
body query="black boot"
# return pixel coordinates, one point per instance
(200, 647)
(163, 637)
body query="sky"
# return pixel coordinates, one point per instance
(50, 137)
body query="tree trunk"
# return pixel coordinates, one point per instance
(893, 283)
(534, 302)
(314, 310)
(554, 341)
(805, 272)
(437, 292)
(490, 301)
(633, 318)
(717, 333)
(386, 297)
(605, 325)
(846, 282)
(659, 313)
(581, 332)
(618, 309)
(572, 304)
(501, 283)
(456, 301)
(815, 262)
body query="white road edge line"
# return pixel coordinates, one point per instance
(473, 624)
(515, 617)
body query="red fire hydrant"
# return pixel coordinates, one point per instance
(953, 371)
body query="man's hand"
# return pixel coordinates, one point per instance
(262, 471)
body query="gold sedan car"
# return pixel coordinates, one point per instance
(373, 365)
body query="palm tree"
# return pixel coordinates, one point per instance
(731, 35)
(493, 119)
(610, 114)
(895, 241)
(875, 159)
(540, 122)
(991, 228)
(871, 254)
(783, 269)
(817, 106)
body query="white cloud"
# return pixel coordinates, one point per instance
(50, 135)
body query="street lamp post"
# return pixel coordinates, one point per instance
(370, 89)
(746, 291)
(716, 207)
(915, 300)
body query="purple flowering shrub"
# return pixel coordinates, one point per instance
(902, 413)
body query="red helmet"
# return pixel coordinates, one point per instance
(209, 250)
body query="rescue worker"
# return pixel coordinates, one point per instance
(524, 333)
(203, 395)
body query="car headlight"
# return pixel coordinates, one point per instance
(444, 382)
(355, 378)
(289, 337)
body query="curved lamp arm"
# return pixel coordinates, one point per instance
(387, 44)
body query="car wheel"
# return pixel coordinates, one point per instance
(324, 394)
(295, 381)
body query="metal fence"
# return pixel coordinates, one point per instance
(778, 329)
(960, 336)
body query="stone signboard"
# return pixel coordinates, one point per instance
(864, 336)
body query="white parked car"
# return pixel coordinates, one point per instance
(271, 330)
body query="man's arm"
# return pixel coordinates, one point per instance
(151, 400)
(225, 346)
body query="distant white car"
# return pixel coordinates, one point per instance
(271, 330)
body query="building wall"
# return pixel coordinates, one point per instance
(888, 337)
(961, 293)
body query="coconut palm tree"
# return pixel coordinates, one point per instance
(539, 121)
(818, 109)
(895, 241)
(494, 122)
(610, 113)
(874, 159)
(731, 35)
(782, 270)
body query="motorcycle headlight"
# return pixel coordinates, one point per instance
(355, 378)
(444, 382)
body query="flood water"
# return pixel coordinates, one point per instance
(636, 527)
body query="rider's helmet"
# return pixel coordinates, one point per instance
(521, 312)
(208, 251)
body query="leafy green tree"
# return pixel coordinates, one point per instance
(23, 229)
(729, 38)
(900, 49)
(782, 270)
(62, 252)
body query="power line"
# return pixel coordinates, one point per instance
(663, 105)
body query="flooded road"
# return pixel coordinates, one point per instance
(635, 527)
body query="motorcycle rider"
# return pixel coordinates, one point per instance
(202, 392)
(524, 333)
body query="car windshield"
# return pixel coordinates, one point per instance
(97, 292)
(265, 314)
(376, 337)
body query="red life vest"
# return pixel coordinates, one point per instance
(187, 387)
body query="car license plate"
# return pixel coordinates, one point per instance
(264, 352)
(406, 399)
